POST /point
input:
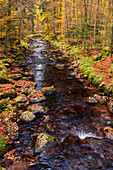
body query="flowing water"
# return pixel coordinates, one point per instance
(75, 123)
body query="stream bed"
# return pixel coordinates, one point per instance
(76, 124)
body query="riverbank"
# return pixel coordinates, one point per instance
(94, 63)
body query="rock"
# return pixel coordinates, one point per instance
(49, 90)
(31, 90)
(7, 90)
(26, 84)
(91, 100)
(108, 132)
(37, 109)
(36, 96)
(27, 116)
(10, 113)
(11, 129)
(59, 66)
(45, 143)
(110, 106)
(1, 168)
(21, 99)
(2, 103)
(4, 145)
(101, 99)
(15, 76)
(73, 74)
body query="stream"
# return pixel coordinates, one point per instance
(75, 123)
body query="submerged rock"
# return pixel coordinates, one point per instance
(49, 90)
(37, 109)
(110, 107)
(44, 143)
(108, 132)
(101, 99)
(91, 100)
(27, 116)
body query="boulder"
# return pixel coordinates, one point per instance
(49, 90)
(21, 99)
(91, 100)
(36, 96)
(11, 129)
(101, 99)
(45, 142)
(37, 109)
(4, 145)
(110, 106)
(27, 116)
(59, 66)
(108, 132)
(26, 84)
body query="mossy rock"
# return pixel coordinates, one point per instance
(24, 44)
(49, 90)
(45, 143)
(110, 106)
(4, 145)
(11, 93)
(2, 103)
(21, 98)
(10, 113)
(59, 66)
(1, 168)
(15, 76)
(20, 58)
(37, 109)
(9, 61)
(3, 79)
(11, 129)
(25, 78)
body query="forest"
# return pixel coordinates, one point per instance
(56, 84)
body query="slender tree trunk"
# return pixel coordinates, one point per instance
(85, 14)
(112, 34)
(8, 27)
(53, 15)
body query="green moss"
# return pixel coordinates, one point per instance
(24, 44)
(4, 145)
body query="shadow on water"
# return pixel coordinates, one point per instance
(74, 123)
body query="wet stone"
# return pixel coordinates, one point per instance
(101, 99)
(35, 97)
(27, 116)
(5, 93)
(91, 100)
(45, 142)
(37, 109)
(49, 90)
(26, 84)
(21, 99)
(108, 132)
(110, 107)
(59, 66)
